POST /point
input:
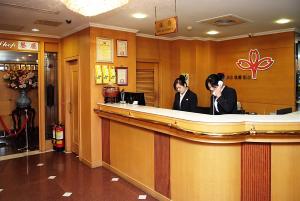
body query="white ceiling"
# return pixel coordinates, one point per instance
(260, 13)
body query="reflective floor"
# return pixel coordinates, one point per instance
(17, 144)
(55, 176)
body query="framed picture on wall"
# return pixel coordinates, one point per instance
(104, 50)
(122, 48)
(122, 76)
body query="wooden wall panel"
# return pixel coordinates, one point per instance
(77, 47)
(194, 57)
(205, 65)
(166, 91)
(158, 51)
(96, 90)
(201, 58)
(132, 152)
(162, 163)
(199, 171)
(147, 49)
(51, 47)
(256, 172)
(285, 174)
(270, 85)
(106, 140)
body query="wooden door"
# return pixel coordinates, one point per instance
(73, 109)
(147, 82)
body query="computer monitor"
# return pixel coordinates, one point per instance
(135, 96)
(284, 110)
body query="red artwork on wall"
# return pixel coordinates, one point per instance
(255, 63)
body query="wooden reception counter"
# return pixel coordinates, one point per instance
(183, 156)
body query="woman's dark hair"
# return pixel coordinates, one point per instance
(181, 81)
(213, 80)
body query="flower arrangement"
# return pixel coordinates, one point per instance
(21, 79)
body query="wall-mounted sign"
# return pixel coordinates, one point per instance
(166, 26)
(105, 74)
(255, 63)
(104, 50)
(27, 45)
(6, 44)
(98, 74)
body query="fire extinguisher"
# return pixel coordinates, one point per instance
(54, 136)
(59, 137)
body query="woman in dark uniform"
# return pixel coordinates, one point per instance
(185, 99)
(223, 98)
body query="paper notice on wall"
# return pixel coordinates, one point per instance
(112, 74)
(105, 74)
(98, 74)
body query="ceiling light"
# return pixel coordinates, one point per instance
(139, 15)
(283, 21)
(17, 59)
(35, 30)
(212, 32)
(30, 55)
(189, 28)
(93, 7)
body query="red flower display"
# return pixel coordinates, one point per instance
(255, 63)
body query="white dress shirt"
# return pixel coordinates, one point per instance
(181, 98)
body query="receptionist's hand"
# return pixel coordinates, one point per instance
(218, 92)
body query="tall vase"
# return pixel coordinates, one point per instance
(23, 100)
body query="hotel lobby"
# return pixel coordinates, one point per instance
(92, 108)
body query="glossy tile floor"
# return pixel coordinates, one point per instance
(26, 179)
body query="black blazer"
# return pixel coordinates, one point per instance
(226, 102)
(188, 103)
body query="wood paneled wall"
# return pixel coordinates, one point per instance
(274, 88)
(159, 52)
(197, 58)
(82, 45)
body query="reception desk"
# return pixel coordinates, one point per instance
(182, 156)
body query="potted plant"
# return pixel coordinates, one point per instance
(23, 81)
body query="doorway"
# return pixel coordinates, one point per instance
(72, 108)
(147, 82)
(19, 107)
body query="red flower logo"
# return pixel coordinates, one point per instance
(255, 63)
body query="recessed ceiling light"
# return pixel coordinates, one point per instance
(29, 55)
(17, 59)
(283, 21)
(212, 32)
(139, 15)
(189, 28)
(35, 30)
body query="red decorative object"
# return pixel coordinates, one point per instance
(255, 63)
(110, 94)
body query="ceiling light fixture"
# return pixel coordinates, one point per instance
(93, 7)
(139, 15)
(35, 30)
(212, 32)
(283, 21)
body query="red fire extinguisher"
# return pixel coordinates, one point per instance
(54, 136)
(59, 137)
